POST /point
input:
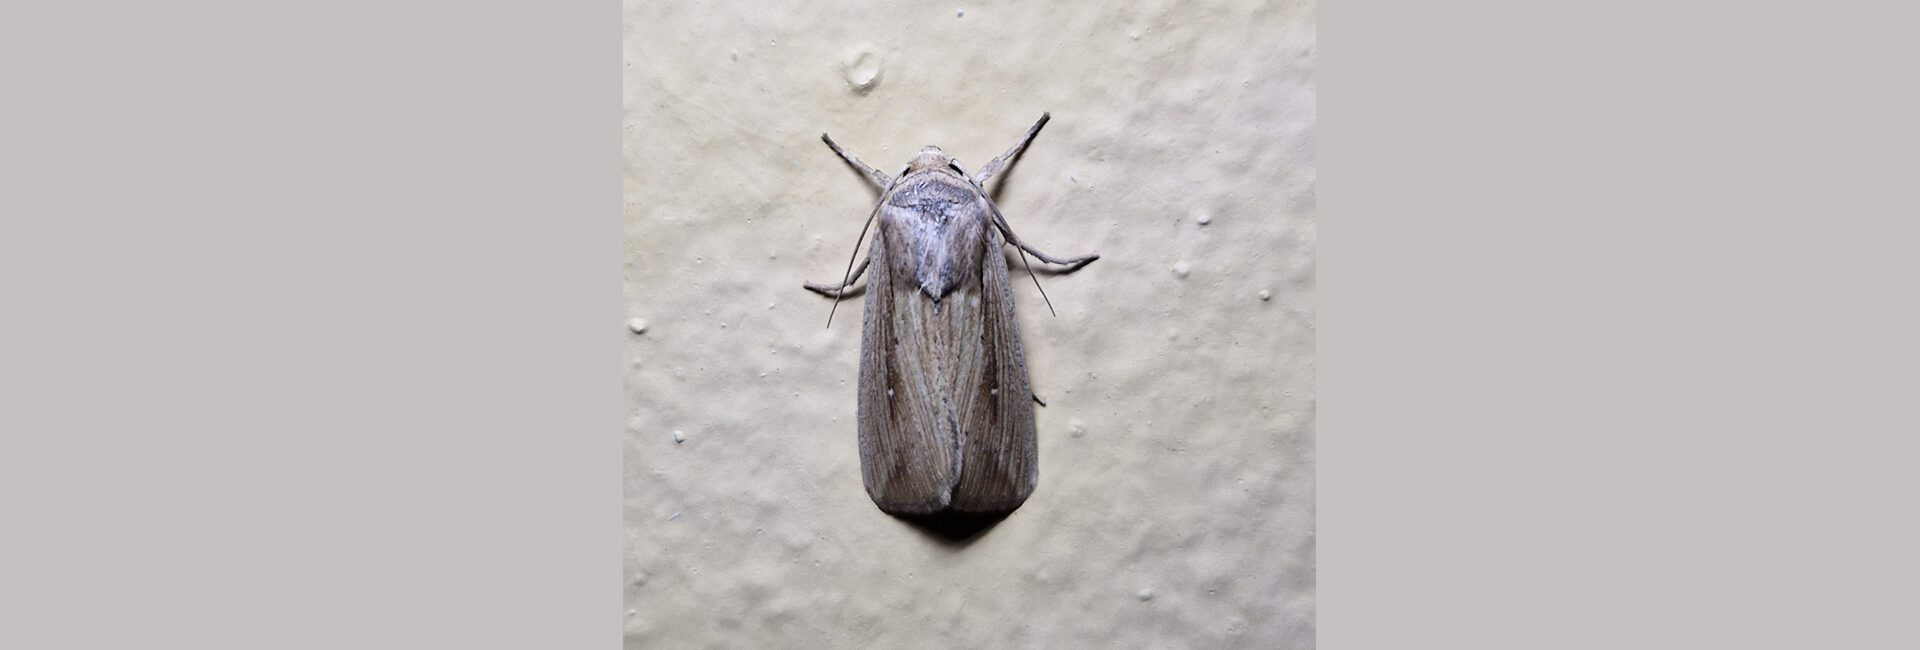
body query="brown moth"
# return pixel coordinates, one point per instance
(945, 411)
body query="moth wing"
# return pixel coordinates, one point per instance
(999, 452)
(907, 453)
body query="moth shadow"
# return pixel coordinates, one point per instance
(952, 528)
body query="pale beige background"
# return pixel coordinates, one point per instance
(1176, 502)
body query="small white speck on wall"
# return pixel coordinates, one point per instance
(1265, 295)
(1145, 594)
(1203, 219)
(1181, 269)
(679, 437)
(637, 325)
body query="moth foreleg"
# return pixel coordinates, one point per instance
(994, 166)
(841, 290)
(878, 177)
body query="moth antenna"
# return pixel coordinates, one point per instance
(849, 272)
(1036, 282)
(1000, 223)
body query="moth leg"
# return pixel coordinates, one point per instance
(1036, 400)
(879, 178)
(1073, 264)
(832, 291)
(836, 292)
(994, 166)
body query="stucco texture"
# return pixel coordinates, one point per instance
(1176, 499)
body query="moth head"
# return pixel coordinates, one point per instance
(933, 159)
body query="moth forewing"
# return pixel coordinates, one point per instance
(1000, 457)
(906, 458)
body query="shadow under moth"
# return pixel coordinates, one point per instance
(945, 409)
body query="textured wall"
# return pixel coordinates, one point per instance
(1176, 498)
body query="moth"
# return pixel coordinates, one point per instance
(945, 409)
